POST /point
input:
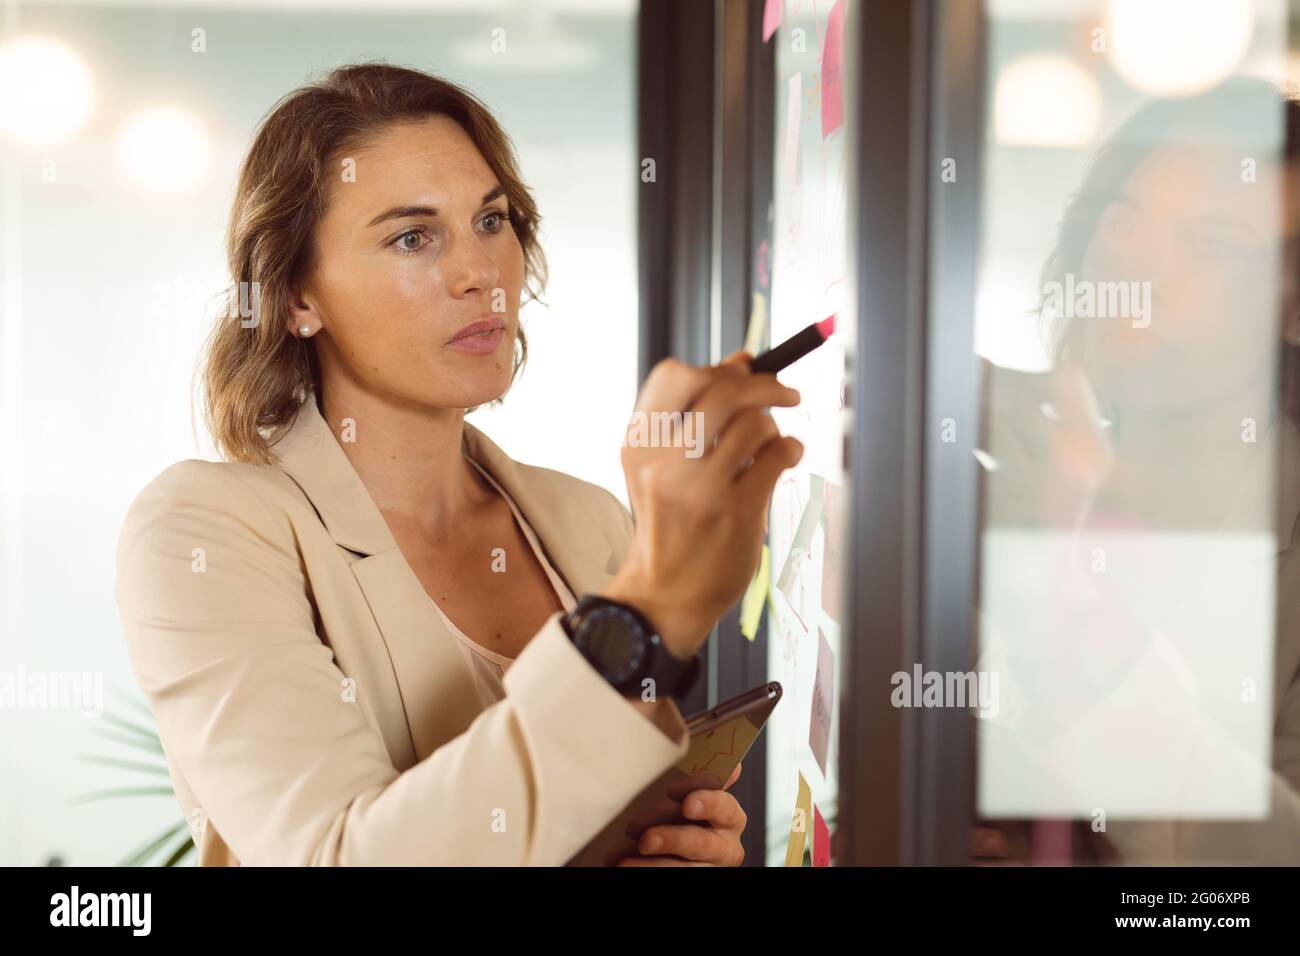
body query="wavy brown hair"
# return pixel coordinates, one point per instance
(255, 371)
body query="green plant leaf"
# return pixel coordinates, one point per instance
(182, 850)
(152, 745)
(139, 737)
(140, 706)
(149, 768)
(147, 849)
(120, 792)
(147, 733)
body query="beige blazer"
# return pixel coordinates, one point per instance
(312, 705)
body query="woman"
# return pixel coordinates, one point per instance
(355, 633)
(1156, 471)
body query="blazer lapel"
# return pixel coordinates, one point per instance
(438, 691)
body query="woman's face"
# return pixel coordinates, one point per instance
(1199, 247)
(414, 247)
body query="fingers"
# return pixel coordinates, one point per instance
(1047, 425)
(672, 385)
(714, 807)
(718, 394)
(694, 843)
(735, 774)
(658, 861)
(741, 359)
(749, 431)
(1086, 449)
(986, 842)
(1072, 395)
(713, 839)
(1018, 424)
(731, 392)
(773, 458)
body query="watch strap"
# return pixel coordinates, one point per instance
(670, 673)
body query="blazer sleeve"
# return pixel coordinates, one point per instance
(250, 707)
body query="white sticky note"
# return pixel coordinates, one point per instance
(793, 118)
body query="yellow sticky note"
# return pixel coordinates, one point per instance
(800, 822)
(757, 324)
(751, 605)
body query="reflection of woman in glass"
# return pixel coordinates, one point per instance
(1143, 476)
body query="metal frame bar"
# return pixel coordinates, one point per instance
(914, 82)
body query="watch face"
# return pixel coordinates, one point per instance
(613, 643)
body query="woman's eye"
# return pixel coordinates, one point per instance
(498, 218)
(402, 244)
(1215, 248)
(1120, 227)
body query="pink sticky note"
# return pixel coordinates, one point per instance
(821, 839)
(832, 58)
(771, 18)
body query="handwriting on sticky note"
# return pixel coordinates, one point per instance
(803, 534)
(823, 700)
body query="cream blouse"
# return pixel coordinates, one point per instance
(487, 666)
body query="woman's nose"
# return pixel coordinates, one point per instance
(1156, 257)
(472, 267)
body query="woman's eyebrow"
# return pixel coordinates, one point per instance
(1218, 221)
(1206, 219)
(410, 211)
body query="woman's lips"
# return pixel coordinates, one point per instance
(481, 338)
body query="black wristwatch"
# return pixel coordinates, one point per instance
(624, 648)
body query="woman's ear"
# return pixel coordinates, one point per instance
(304, 318)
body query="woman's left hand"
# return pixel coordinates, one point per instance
(713, 841)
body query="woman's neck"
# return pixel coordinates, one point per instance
(1190, 467)
(408, 456)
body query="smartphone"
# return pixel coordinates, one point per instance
(720, 738)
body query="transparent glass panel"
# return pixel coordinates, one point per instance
(1137, 325)
(808, 266)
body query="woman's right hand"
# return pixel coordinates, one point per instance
(1052, 455)
(701, 508)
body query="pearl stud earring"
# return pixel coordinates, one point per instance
(304, 330)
